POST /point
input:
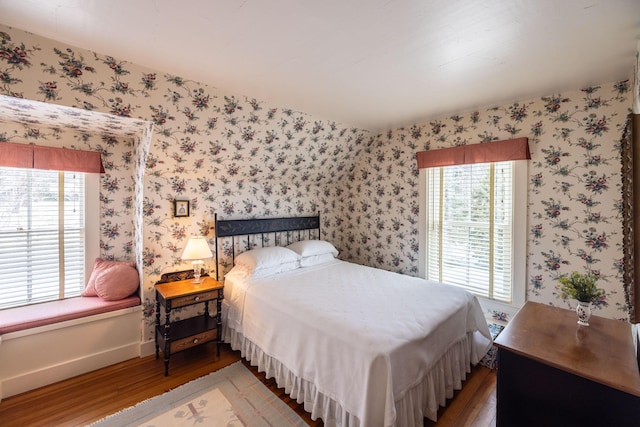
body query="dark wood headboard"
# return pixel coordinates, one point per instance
(292, 228)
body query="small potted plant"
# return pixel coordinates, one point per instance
(581, 287)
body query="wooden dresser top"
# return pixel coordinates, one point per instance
(602, 352)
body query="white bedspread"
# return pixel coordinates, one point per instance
(363, 336)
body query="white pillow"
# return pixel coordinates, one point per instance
(244, 272)
(309, 261)
(308, 248)
(268, 257)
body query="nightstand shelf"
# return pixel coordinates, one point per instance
(178, 335)
(188, 333)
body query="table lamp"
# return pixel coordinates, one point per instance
(196, 250)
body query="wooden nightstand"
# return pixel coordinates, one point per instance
(178, 335)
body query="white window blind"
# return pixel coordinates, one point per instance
(42, 235)
(470, 228)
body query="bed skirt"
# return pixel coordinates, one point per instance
(420, 401)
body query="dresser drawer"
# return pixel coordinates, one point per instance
(194, 340)
(192, 299)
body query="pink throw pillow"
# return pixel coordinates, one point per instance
(117, 282)
(98, 266)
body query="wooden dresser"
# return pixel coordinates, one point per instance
(552, 372)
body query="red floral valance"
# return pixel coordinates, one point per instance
(494, 151)
(49, 158)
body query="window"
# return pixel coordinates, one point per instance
(475, 228)
(43, 239)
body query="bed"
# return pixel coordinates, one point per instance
(357, 346)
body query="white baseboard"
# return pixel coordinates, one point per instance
(41, 356)
(51, 374)
(147, 348)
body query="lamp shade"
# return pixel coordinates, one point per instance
(197, 248)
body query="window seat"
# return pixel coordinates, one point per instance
(32, 316)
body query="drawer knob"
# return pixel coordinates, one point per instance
(195, 340)
(197, 298)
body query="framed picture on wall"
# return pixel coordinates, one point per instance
(180, 208)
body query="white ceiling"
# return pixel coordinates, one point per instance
(374, 64)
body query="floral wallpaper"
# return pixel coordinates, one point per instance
(574, 190)
(164, 138)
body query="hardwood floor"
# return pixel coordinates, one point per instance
(86, 398)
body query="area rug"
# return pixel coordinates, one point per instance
(230, 397)
(490, 360)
